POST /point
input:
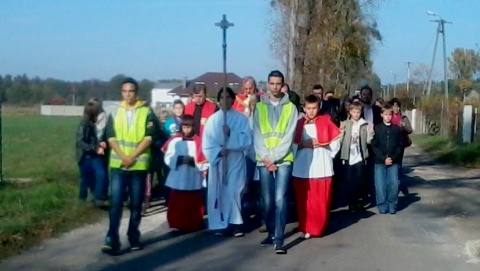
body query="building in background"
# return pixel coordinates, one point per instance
(212, 80)
(160, 96)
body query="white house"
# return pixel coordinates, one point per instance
(160, 96)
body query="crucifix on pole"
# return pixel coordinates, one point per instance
(224, 24)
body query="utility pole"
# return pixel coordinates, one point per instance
(440, 30)
(394, 84)
(409, 63)
(224, 25)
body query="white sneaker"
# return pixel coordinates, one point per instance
(307, 236)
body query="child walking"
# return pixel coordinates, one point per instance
(183, 155)
(354, 154)
(318, 140)
(387, 145)
(89, 154)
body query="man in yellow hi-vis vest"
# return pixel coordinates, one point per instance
(130, 130)
(274, 121)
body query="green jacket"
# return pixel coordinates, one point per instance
(365, 138)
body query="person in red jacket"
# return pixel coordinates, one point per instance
(200, 108)
(242, 99)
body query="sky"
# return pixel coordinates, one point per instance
(164, 39)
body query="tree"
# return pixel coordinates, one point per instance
(464, 63)
(325, 41)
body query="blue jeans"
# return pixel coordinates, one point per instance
(133, 182)
(386, 187)
(93, 177)
(274, 194)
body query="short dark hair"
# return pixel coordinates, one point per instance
(395, 101)
(367, 88)
(197, 88)
(230, 93)
(387, 107)
(312, 98)
(178, 102)
(317, 86)
(276, 73)
(187, 120)
(130, 80)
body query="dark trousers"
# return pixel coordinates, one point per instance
(355, 181)
(93, 177)
(133, 182)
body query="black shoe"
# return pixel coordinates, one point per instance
(238, 233)
(280, 249)
(110, 247)
(135, 245)
(267, 241)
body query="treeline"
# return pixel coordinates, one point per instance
(22, 90)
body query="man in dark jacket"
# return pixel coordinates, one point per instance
(371, 113)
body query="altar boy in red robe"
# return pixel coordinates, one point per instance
(183, 155)
(318, 140)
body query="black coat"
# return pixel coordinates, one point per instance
(387, 142)
(377, 115)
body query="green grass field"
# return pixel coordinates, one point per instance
(39, 197)
(445, 151)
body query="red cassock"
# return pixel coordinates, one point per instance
(207, 110)
(313, 194)
(186, 208)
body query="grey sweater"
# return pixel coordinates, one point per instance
(277, 154)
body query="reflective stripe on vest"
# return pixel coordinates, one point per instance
(128, 138)
(273, 137)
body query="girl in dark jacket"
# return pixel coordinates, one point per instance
(90, 153)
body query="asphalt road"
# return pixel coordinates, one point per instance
(436, 228)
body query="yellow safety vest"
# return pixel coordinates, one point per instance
(273, 137)
(128, 138)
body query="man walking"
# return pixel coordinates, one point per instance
(274, 121)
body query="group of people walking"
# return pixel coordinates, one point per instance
(264, 143)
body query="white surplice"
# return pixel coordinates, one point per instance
(183, 177)
(224, 196)
(314, 163)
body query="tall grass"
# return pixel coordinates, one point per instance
(39, 198)
(446, 151)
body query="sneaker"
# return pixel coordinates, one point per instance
(238, 233)
(267, 241)
(392, 211)
(110, 247)
(280, 249)
(135, 246)
(307, 236)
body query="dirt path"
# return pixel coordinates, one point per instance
(436, 228)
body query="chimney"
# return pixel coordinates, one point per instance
(184, 82)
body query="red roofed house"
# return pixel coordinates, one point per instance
(213, 81)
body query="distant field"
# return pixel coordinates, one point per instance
(40, 147)
(39, 198)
